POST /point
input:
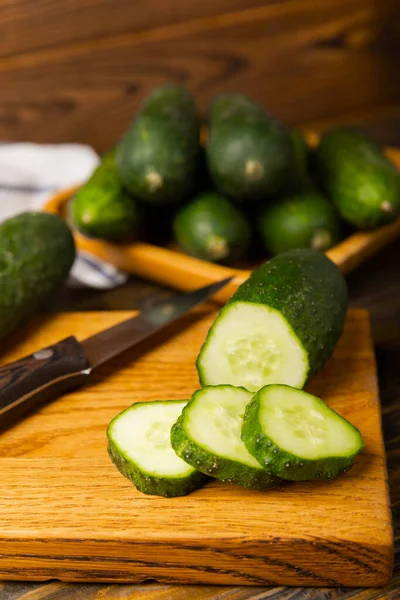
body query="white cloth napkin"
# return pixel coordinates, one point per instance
(31, 173)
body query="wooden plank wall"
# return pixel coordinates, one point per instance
(75, 70)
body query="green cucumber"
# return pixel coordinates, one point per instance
(357, 178)
(158, 156)
(306, 220)
(280, 326)
(249, 153)
(37, 251)
(207, 436)
(211, 228)
(101, 208)
(139, 446)
(297, 436)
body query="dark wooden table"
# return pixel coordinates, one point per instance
(375, 286)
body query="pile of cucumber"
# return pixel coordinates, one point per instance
(254, 187)
(250, 424)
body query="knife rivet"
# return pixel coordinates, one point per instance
(167, 310)
(43, 354)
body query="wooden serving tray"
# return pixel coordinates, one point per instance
(66, 512)
(180, 271)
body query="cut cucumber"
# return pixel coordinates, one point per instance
(139, 446)
(207, 436)
(281, 325)
(250, 345)
(297, 436)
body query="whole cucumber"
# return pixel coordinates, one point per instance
(102, 208)
(305, 220)
(357, 178)
(250, 154)
(37, 251)
(158, 156)
(211, 228)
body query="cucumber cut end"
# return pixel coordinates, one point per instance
(215, 422)
(252, 345)
(142, 435)
(303, 425)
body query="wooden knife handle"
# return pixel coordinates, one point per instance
(34, 379)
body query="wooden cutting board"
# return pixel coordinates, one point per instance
(66, 513)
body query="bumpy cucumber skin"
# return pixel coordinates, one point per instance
(211, 228)
(358, 178)
(149, 484)
(249, 153)
(158, 156)
(309, 291)
(37, 251)
(305, 220)
(218, 467)
(102, 208)
(172, 101)
(155, 486)
(283, 464)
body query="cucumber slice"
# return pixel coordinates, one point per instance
(207, 436)
(139, 446)
(281, 325)
(297, 436)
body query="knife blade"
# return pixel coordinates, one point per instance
(61, 367)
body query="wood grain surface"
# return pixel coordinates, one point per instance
(66, 513)
(91, 19)
(304, 60)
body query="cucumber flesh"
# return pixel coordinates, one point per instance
(252, 345)
(288, 318)
(139, 446)
(297, 436)
(208, 436)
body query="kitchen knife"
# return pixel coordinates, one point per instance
(39, 377)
